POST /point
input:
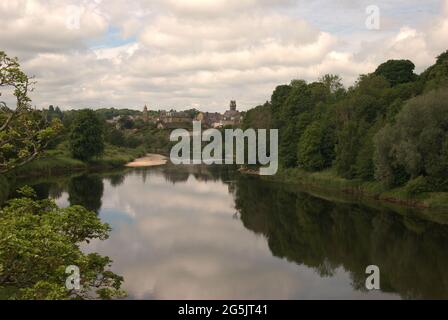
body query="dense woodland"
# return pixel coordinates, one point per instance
(391, 126)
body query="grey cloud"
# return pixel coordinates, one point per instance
(185, 54)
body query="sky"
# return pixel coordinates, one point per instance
(201, 54)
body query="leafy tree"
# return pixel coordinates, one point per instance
(278, 98)
(53, 113)
(125, 122)
(259, 117)
(294, 116)
(38, 241)
(24, 132)
(397, 71)
(110, 113)
(316, 147)
(363, 131)
(364, 167)
(347, 148)
(133, 141)
(359, 112)
(86, 136)
(417, 143)
(114, 136)
(436, 76)
(332, 82)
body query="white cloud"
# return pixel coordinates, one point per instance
(203, 53)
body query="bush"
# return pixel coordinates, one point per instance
(417, 186)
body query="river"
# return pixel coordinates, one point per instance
(211, 233)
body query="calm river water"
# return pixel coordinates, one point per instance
(204, 233)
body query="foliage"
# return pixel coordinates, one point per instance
(125, 122)
(417, 186)
(110, 113)
(364, 132)
(417, 143)
(291, 115)
(38, 241)
(436, 76)
(24, 132)
(86, 136)
(333, 83)
(397, 71)
(258, 118)
(316, 147)
(114, 136)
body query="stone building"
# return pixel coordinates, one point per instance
(209, 119)
(232, 117)
(176, 117)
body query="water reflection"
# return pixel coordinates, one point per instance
(208, 233)
(326, 236)
(86, 191)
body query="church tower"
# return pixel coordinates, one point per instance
(233, 105)
(145, 114)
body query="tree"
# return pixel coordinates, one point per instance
(416, 144)
(86, 136)
(295, 115)
(397, 71)
(332, 82)
(24, 132)
(436, 76)
(125, 122)
(316, 147)
(258, 118)
(278, 98)
(38, 241)
(114, 136)
(360, 111)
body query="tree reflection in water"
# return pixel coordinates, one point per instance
(320, 234)
(324, 235)
(86, 191)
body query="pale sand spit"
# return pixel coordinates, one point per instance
(150, 160)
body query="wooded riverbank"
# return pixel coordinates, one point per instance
(328, 181)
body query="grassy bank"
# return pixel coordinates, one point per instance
(328, 181)
(59, 160)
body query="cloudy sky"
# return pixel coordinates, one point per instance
(203, 53)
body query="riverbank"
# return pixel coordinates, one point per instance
(150, 160)
(328, 181)
(59, 160)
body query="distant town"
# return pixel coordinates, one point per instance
(172, 119)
